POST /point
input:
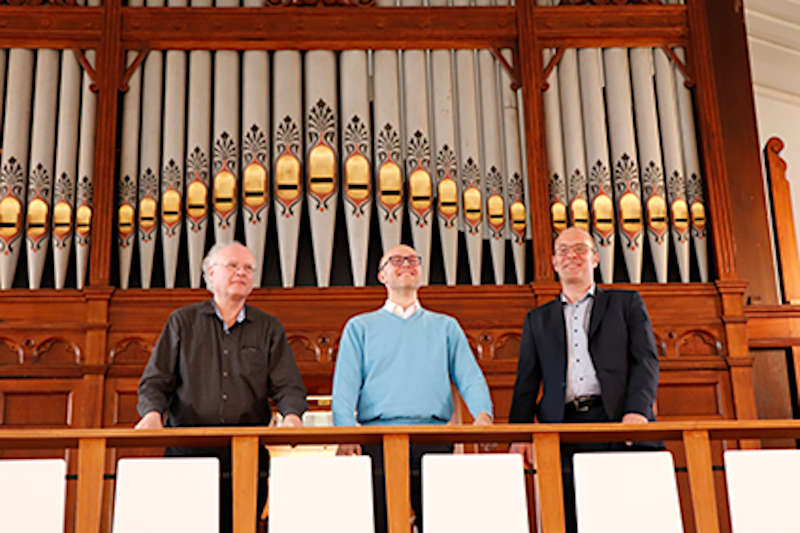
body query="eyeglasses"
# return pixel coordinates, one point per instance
(235, 267)
(577, 249)
(398, 260)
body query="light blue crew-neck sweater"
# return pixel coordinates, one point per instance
(398, 371)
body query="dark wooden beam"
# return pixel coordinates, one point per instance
(110, 69)
(50, 27)
(531, 70)
(605, 26)
(328, 28)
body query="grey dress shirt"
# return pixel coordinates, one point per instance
(581, 374)
(199, 374)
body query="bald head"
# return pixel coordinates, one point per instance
(400, 268)
(574, 234)
(575, 258)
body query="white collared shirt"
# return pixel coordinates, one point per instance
(398, 310)
(581, 375)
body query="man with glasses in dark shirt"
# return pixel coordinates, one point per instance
(218, 362)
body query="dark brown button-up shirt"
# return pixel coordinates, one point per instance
(199, 374)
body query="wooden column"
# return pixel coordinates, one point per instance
(739, 360)
(530, 66)
(97, 304)
(548, 481)
(701, 480)
(245, 484)
(396, 470)
(109, 69)
(710, 128)
(91, 459)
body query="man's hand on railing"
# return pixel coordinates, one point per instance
(291, 420)
(151, 420)
(348, 449)
(485, 419)
(525, 449)
(633, 418)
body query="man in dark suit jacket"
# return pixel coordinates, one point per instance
(593, 352)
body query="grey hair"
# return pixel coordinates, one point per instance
(211, 258)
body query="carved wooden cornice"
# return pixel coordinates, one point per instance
(326, 3)
(606, 2)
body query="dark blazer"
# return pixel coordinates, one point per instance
(622, 348)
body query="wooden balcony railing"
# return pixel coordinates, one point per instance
(696, 437)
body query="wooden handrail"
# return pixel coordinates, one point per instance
(696, 437)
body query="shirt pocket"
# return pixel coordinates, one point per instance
(253, 362)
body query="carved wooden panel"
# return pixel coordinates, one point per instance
(699, 342)
(43, 349)
(11, 353)
(130, 351)
(38, 403)
(690, 341)
(504, 344)
(314, 346)
(698, 394)
(120, 399)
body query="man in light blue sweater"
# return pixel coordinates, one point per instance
(394, 367)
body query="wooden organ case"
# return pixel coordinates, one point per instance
(73, 345)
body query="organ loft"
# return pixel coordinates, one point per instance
(136, 134)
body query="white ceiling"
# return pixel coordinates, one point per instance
(773, 34)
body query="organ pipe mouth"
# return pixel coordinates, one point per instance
(224, 191)
(83, 223)
(322, 170)
(579, 212)
(62, 218)
(147, 213)
(37, 218)
(356, 177)
(680, 215)
(657, 213)
(196, 198)
(448, 197)
(698, 212)
(518, 216)
(254, 185)
(287, 178)
(472, 205)
(420, 189)
(630, 208)
(124, 220)
(390, 184)
(558, 214)
(603, 208)
(10, 213)
(495, 207)
(171, 206)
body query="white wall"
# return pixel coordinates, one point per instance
(773, 38)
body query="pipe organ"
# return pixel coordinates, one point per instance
(593, 102)
(397, 130)
(322, 132)
(417, 136)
